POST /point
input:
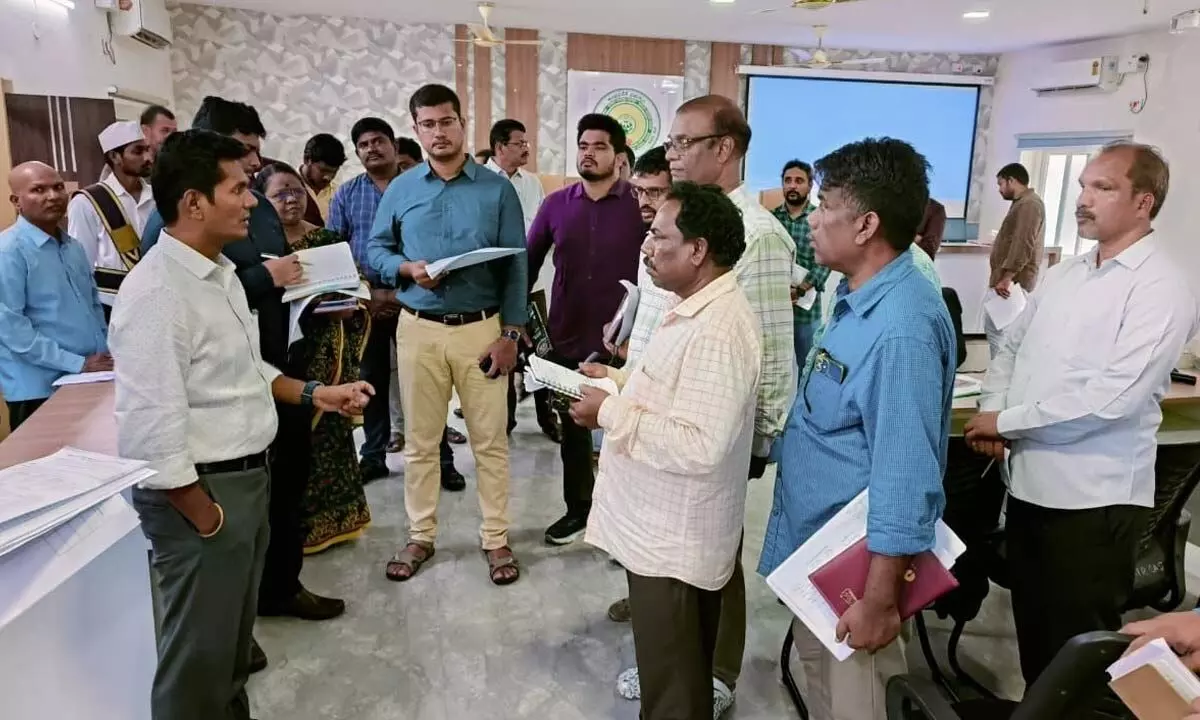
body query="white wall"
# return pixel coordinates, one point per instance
(1171, 121)
(46, 49)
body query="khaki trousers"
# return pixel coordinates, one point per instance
(852, 689)
(432, 360)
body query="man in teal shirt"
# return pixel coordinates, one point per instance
(51, 322)
(793, 214)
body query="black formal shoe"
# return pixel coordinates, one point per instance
(306, 606)
(566, 531)
(373, 470)
(258, 658)
(452, 479)
(455, 437)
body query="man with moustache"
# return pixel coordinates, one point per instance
(1074, 392)
(709, 138)
(457, 332)
(108, 218)
(352, 214)
(595, 229)
(1017, 252)
(196, 399)
(793, 215)
(51, 322)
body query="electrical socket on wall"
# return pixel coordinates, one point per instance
(1133, 63)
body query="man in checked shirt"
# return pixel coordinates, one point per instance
(793, 215)
(709, 137)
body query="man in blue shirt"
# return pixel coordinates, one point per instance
(872, 413)
(457, 331)
(51, 322)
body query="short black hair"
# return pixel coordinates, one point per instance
(652, 162)
(1014, 171)
(325, 148)
(631, 157)
(274, 168)
(706, 211)
(190, 160)
(408, 146)
(432, 95)
(605, 123)
(797, 165)
(151, 113)
(371, 124)
(502, 132)
(885, 176)
(226, 117)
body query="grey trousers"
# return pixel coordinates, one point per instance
(209, 595)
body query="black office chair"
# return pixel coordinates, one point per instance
(1073, 687)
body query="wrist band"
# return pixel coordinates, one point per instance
(220, 522)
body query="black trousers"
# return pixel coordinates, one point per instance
(20, 410)
(674, 639)
(290, 468)
(376, 369)
(576, 453)
(1071, 572)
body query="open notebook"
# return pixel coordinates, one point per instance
(564, 381)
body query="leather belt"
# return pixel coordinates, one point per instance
(454, 319)
(242, 464)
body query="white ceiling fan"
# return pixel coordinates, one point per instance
(482, 35)
(806, 5)
(819, 58)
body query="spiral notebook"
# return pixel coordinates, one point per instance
(564, 381)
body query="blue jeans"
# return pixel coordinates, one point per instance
(803, 340)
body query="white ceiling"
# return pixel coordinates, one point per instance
(913, 25)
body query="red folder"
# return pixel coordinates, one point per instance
(842, 580)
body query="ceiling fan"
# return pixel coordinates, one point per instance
(819, 59)
(482, 35)
(805, 5)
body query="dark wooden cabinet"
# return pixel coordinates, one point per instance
(59, 131)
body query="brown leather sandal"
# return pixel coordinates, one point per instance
(499, 560)
(408, 561)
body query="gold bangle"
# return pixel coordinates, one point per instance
(220, 522)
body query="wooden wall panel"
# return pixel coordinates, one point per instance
(760, 54)
(8, 213)
(481, 98)
(722, 74)
(461, 58)
(776, 54)
(612, 53)
(521, 86)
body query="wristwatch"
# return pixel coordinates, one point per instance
(513, 335)
(306, 395)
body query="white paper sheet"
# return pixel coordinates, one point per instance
(45, 482)
(326, 268)
(1003, 311)
(560, 379)
(475, 257)
(966, 386)
(790, 580)
(297, 307)
(622, 321)
(804, 300)
(85, 378)
(1159, 654)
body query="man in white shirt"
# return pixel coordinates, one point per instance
(670, 499)
(108, 218)
(510, 154)
(195, 398)
(1075, 392)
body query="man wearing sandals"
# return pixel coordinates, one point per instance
(456, 331)
(671, 495)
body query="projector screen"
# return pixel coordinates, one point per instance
(807, 118)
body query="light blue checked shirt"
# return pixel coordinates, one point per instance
(352, 214)
(873, 412)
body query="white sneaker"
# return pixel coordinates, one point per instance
(629, 685)
(722, 699)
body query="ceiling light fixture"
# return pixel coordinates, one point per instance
(721, 2)
(977, 15)
(68, 4)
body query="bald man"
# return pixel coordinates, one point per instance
(51, 322)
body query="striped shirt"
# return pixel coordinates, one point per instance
(764, 273)
(352, 214)
(801, 233)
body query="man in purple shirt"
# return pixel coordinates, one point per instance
(596, 231)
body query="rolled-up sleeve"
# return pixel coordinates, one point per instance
(151, 356)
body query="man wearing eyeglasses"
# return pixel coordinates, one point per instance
(511, 153)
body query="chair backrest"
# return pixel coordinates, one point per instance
(1076, 679)
(1158, 573)
(1176, 474)
(954, 306)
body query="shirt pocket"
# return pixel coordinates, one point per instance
(825, 395)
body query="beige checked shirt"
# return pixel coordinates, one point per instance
(670, 497)
(765, 275)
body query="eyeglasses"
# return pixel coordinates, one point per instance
(518, 144)
(288, 194)
(442, 124)
(683, 144)
(650, 193)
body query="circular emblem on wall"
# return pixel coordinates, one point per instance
(637, 114)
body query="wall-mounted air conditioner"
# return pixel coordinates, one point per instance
(148, 22)
(1073, 75)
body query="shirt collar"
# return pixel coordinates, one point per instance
(861, 301)
(782, 213)
(38, 235)
(194, 262)
(1131, 257)
(692, 306)
(469, 169)
(492, 165)
(620, 186)
(144, 196)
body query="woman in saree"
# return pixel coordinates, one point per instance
(334, 506)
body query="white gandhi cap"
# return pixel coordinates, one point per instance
(120, 134)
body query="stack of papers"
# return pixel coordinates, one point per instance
(805, 300)
(966, 386)
(326, 268)
(790, 581)
(87, 378)
(39, 496)
(1154, 683)
(361, 291)
(1003, 311)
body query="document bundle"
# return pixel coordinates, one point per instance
(1154, 683)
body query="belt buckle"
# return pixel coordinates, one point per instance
(453, 319)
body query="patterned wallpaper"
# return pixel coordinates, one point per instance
(552, 103)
